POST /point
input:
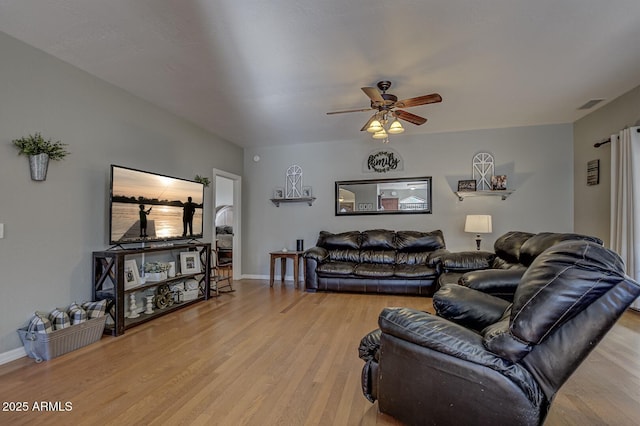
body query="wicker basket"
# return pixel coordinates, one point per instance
(45, 346)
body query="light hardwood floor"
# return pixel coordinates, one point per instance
(272, 356)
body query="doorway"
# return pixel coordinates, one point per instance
(227, 196)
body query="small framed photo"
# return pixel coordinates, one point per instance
(278, 193)
(499, 182)
(190, 262)
(306, 191)
(131, 274)
(466, 185)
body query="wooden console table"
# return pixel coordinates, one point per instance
(283, 256)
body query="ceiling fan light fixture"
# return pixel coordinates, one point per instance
(380, 134)
(396, 128)
(375, 126)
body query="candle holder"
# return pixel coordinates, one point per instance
(133, 309)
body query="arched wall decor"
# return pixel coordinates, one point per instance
(483, 169)
(293, 184)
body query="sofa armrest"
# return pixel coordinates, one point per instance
(448, 338)
(313, 257)
(466, 260)
(319, 254)
(497, 282)
(429, 331)
(470, 308)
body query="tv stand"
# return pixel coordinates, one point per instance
(109, 281)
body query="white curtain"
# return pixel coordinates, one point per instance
(625, 200)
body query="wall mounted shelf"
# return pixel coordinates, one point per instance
(467, 194)
(308, 200)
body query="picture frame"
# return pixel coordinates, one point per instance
(131, 274)
(593, 172)
(467, 185)
(499, 182)
(190, 262)
(307, 192)
(278, 193)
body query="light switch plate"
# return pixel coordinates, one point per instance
(1, 230)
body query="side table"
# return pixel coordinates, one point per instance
(283, 256)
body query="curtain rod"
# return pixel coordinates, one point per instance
(599, 144)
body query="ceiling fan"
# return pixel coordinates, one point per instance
(385, 120)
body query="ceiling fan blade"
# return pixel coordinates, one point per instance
(350, 110)
(411, 118)
(420, 100)
(373, 94)
(366, 126)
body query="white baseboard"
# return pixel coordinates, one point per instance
(254, 277)
(12, 355)
(267, 277)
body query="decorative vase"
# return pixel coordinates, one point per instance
(38, 165)
(155, 276)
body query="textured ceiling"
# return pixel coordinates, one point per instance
(260, 73)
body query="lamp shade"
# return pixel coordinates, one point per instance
(396, 128)
(380, 135)
(478, 223)
(374, 127)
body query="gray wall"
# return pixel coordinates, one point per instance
(52, 227)
(537, 160)
(592, 214)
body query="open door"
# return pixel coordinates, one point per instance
(227, 195)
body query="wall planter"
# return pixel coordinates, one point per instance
(39, 164)
(40, 151)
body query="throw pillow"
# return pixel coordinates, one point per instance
(77, 314)
(95, 309)
(59, 319)
(40, 323)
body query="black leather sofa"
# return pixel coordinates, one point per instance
(499, 273)
(485, 361)
(375, 261)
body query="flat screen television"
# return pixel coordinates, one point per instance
(145, 206)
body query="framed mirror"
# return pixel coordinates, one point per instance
(383, 196)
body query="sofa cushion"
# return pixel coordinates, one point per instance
(415, 241)
(540, 242)
(344, 255)
(450, 278)
(378, 239)
(333, 269)
(415, 271)
(467, 260)
(378, 256)
(374, 270)
(344, 240)
(411, 258)
(507, 246)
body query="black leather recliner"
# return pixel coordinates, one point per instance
(485, 361)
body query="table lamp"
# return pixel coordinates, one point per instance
(478, 224)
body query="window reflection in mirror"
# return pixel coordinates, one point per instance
(383, 196)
